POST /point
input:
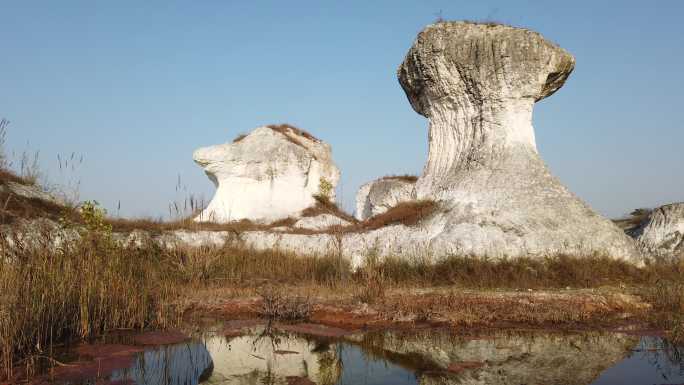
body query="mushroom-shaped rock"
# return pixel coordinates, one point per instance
(270, 174)
(662, 233)
(380, 195)
(477, 84)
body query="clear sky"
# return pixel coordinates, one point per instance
(136, 86)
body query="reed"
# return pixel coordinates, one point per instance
(56, 285)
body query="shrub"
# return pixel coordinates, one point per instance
(325, 188)
(276, 306)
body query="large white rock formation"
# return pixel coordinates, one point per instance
(662, 234)
(380, 195)
(270, 174)
(477, 85)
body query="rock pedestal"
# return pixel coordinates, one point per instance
(477, 85)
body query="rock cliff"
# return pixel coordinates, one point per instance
(270, 174)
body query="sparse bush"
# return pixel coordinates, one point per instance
(276, 306)
(325, 189)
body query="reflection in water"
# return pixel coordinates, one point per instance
(426, 358)
(272, 358)
(186, 364)
(653, 361)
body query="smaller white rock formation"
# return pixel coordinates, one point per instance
(662, 234)
(270, 174)
(380, 195)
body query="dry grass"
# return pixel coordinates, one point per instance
(14, 207)
(287, 129)
(488, 23)
(558, 271)
(404, 178)
(9, 176)
(479, 309)
(158, 226)
(325, 206)
(235, 266)
(405, 213)
(667, 298)
(81, 289)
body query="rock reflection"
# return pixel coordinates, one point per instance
(258, 355)
(502, 358)
(273, 358)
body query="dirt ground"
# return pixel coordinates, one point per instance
(604, 308)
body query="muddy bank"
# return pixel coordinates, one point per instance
(460, 310)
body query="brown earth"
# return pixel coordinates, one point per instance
(335, 315)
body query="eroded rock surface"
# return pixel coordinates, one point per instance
(477, 85)
(380, 195)
(662, 233)
(270, 174)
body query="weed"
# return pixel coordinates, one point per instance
(325, 188)
(276, 306)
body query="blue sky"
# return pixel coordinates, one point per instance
(136, 86)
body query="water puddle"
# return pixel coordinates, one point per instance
(280, 356)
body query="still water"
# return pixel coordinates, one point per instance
(395, 358)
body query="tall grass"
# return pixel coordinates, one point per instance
(55, 287)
